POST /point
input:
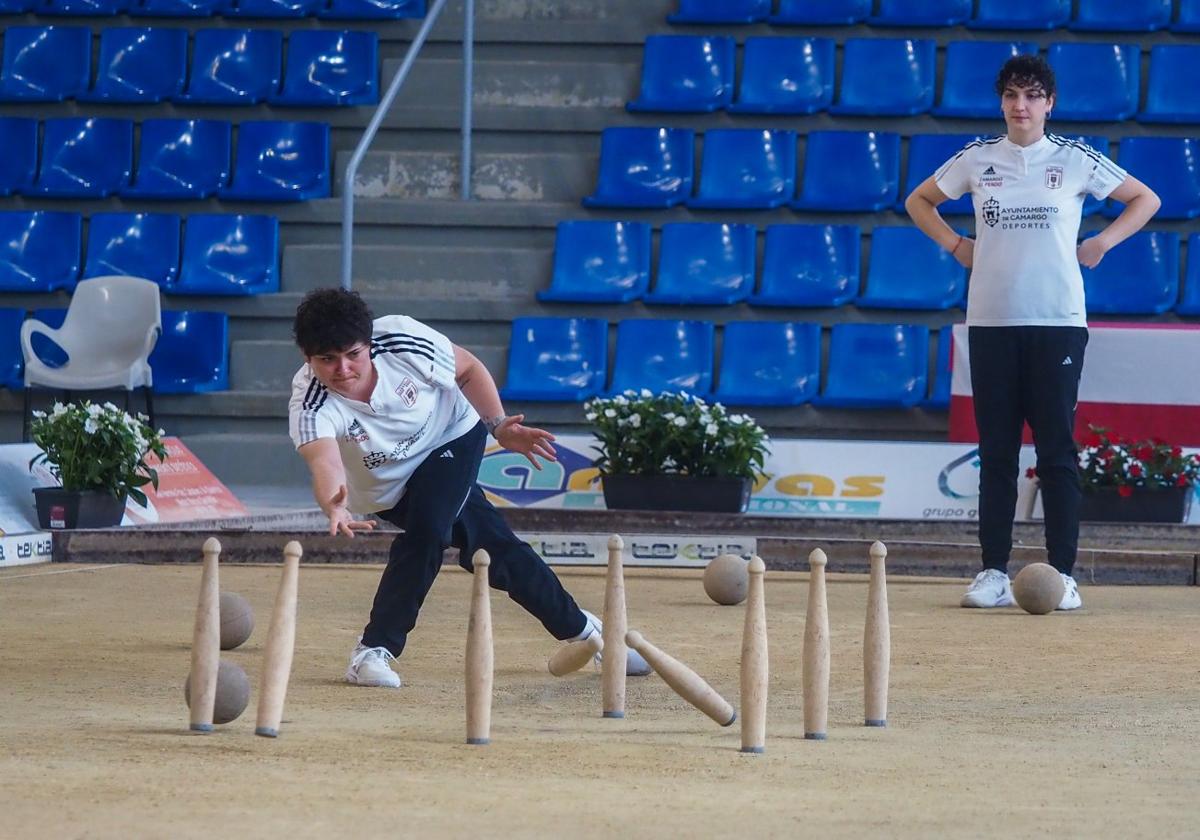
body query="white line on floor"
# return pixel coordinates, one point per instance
(4, 578)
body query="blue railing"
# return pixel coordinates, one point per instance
(385, 105)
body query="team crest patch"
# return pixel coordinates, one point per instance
(407, 391)
(1054, 177)
(991, 212)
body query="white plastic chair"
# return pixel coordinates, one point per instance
(111, 326)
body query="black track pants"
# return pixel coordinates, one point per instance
(1027, 374)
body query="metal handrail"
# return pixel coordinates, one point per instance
(385, 105)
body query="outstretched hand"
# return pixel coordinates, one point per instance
(526, 440)
(341, 521)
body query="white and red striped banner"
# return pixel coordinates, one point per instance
(1139, 380)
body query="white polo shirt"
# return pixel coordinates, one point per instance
(415, 408)
(1028, 203)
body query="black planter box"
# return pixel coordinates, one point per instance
(1105, 504)
(676, 492)
(60, 509)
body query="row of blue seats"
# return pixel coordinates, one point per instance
(191, 355)
(1093, 15)
(40, 251)
(820, 266)
(228, 66)
(177, 159)
(896, 77)
(844, 171)
(762, 362)
(327, 9)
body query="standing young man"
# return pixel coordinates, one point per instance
(387, 414)
(1027, 323)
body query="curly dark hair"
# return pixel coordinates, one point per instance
(331, 320)
(1026, 71)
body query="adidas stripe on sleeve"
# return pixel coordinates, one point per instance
(311, 414)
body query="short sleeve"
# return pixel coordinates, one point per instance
(954, 176)
(1103, 176)
(311, 416)
(425, 349)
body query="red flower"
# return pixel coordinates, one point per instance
(1031, 472)
(1144, 453)
(1125, 491)
(1135, 470)
(1182, 481)
(1176, 451)
(1091, 439)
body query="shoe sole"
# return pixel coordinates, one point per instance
(370, 684)
(971, 605)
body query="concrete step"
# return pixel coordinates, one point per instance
(495, 177)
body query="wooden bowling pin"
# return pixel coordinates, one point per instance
(612, 666)
(206, 642)
(281, 645)
(571, 657)
(754, 663)
(687, 683)
(877, 642)
(480, 654)
(816, 651)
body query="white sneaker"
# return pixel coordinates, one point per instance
(1070, 599)
(991, 588)
(635, 664)
(369, 666)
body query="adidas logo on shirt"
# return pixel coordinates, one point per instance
(991, 170)
(449, 454)
(1067, 361)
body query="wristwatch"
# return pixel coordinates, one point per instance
(493, 423)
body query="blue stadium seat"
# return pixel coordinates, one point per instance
(939, 391)
(181, 159)
(1188, 19)
(18, 154)
(644, 167)
(16, 7)
(1122, 15)
(1168, 165)
(769, 363)
(600, 262)
(12, 360)
(809, 265)
(876, 366)
(373, 9)
(968, 89)
(686, 73)
(745, 168)
(1099, 144)
(234, 66)
(1095, 81)
(79, 8)
(1138, 277)
(84, 158)
(136, 244)
(785, 76)
(45, 63)
(703, 263)
(556, 359)
(1189, 301)
(326, 67)
(280, 161)
(850, 171)
(886, 76)
(908, 270)
(926, 154)
(139, 64)
(229, 255)
(178, 8)
(1167, 99)
(921, 13)
(39, 250)
(664, 356)
(720, 11)
(192, 353)
(1021, 14)
(825, 13)
(273, 8)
